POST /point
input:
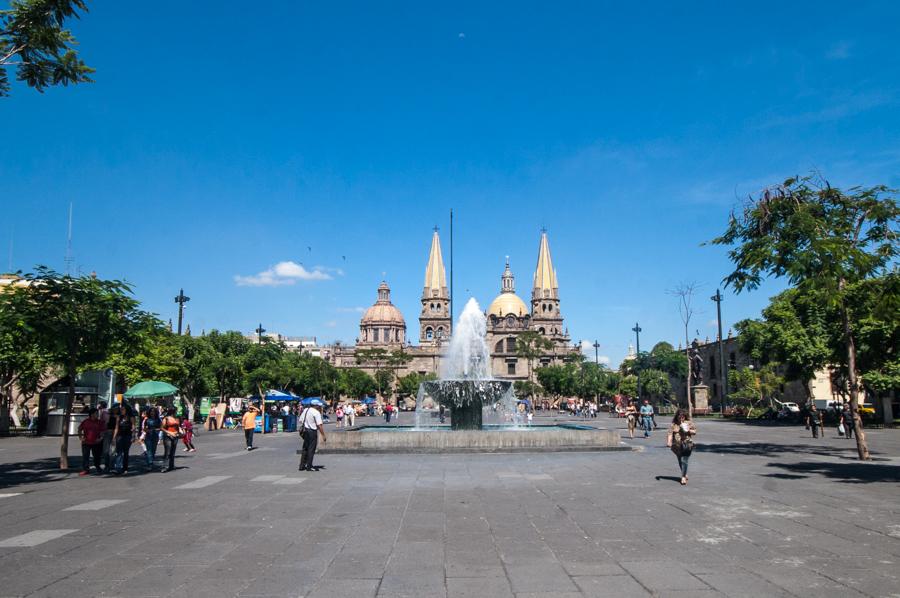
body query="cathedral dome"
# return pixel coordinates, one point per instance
(383, 312)
(507, 303)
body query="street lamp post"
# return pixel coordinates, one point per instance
(596, 352)
(181, 299)
(723, 369)
(259, 332)
(637, 342)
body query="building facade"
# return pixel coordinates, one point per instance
(508, 316)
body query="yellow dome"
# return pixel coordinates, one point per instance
(507, 303)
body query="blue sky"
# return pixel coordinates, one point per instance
(216, 144)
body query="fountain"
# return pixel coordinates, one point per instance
(466, 387)
(484, 412)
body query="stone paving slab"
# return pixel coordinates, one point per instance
(768, 512)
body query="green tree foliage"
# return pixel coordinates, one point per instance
(22, 359)
(408, 385)
(530, 345)
(596, 381)
(384, 379)
(78, 321)
(824, 241)
(527, 389)
(793, 331)
(195, 379)
(226, 366)
(154, 354)
(655, 383)
(755, 387)
(874, 307)
(628, 386)
(356, 383)
(33, 41)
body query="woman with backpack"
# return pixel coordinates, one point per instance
(681, 440)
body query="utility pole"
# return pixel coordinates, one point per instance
(181, 299)
(723, 368)
(451, 271)
(637, 342)
(259, 332)
(596, 352)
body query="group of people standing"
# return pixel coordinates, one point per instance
(815, 422)
(107, 436)
(646, 416)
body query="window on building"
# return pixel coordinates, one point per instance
(542, 331)
(498, 348)
(550, 307)
(375, 335)
(511, 344)
(732, 361)
(440, 332)
(429, 333)
(510, 368)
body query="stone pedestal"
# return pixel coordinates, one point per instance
(701, 397)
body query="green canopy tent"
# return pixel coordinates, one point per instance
(151, 389)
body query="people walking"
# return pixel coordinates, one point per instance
(631, 416)
(187, 427)
(388, 409)
(123, 436)
(350, 415)
(339, 416)
(848, 422)
(647, 418)
(442, 413)
(109, 447)
(310, 427)
(681, 440)
(814, 421)
(150, 432)
(529, 417)
(171, 431)
(248, 422)
(90, 431)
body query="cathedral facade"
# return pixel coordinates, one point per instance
(383, 326)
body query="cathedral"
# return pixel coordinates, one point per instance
(383, 326)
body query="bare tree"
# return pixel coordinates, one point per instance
(684, 293)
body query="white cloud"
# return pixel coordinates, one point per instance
(350, 310)
(330, 324)
(282, 274)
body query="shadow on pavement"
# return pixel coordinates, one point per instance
(668, 478)
(857, 473)
(36, 472)
(762, 449)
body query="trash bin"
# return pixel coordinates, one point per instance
(55, 422)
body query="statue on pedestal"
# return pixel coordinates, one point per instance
(696, 364)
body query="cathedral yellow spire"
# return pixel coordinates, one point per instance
(544, 275)
(435, 278)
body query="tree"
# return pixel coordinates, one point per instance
(78, 321)
(226, 366)
(384, 379)
(530, 345)
(628, 386)
(754, 386)
(684, 293)
(35, 44)
(22, 361)
(656, 383)
(823, 240)
(408, 385)
(558, 380)
(194, 380)
(793, 331)
(527, 389)
(262, 366)
(154, 354)
(356, 383)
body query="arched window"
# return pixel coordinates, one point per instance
(440, 332)
(498, 348)
(429, 333)
(511, 344)
(542, 331)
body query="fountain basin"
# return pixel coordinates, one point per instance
(490, 439)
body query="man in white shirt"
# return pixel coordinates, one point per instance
(310, 428)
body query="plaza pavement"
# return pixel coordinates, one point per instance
(768, 512)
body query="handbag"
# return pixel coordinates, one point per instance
(841, 430)
(687, 446)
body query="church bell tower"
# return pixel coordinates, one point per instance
(545, 315)
(435, 321)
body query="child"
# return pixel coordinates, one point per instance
(188, 426)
